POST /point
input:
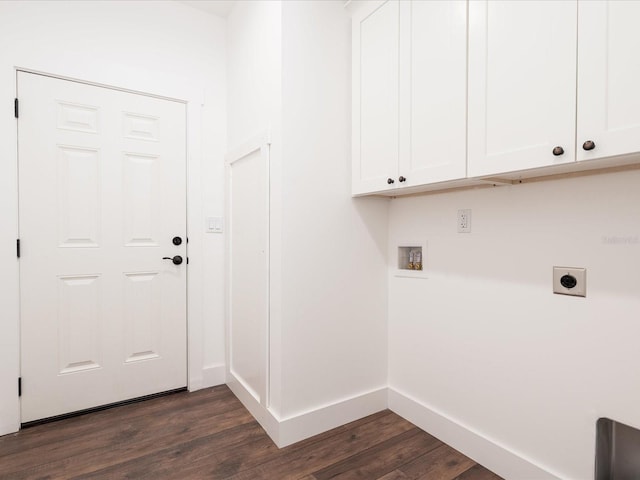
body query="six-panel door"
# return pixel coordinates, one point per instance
(102, 194)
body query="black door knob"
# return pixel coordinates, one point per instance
(402, 179)
(177, 240)
(588, 145)
(177, 260)
(390, 181)
(558, 151)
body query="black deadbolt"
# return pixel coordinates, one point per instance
(568, 281)
(177, 260)
(177, 240)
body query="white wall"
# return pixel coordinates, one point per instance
(484, 342)
(334, 289)
(163, 48)
(254, 65)
(289, 70)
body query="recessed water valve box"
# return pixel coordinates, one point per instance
(410, 258)
(570, 281)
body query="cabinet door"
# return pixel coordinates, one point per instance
(522, 85)
(433, 91)
(608, 78)
(375, 98)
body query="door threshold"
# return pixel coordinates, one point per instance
(86, 411)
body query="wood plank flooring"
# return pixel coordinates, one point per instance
(210, 435)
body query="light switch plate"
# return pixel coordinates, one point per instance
(570, 281)
(214, 225)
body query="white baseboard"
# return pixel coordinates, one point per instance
(488, 453)
(492, 455)
(292, 429)
(214, 375)
(264, 417)
(310, 423)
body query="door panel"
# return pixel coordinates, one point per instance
(102, 194)
(249, 259)
(79, 320)
(79, 197)
(608, 78)
(434, 91)
(522, 64)
(142, 212)
(141, 308)
(375, 90)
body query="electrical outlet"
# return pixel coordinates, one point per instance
(464, 221)
(570, 281)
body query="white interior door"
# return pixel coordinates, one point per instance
(102, 195)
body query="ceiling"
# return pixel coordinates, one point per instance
(220, 8)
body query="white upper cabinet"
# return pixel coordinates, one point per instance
(608, 79)
(454, 93)
(375, 97)
(522, 85)
(409, 94)
(433, 91)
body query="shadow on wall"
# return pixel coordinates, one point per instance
(368, 210)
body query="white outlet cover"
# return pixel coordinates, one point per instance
(464, 221)
(580, 275)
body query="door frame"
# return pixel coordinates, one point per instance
(10, 330)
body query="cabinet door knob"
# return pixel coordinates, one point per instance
(558, 151)
(402, 179)
(588, 145)
(390, 181)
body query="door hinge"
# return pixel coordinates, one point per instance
(16, 109)
(187, 260)
(19, 386)
(18, 247)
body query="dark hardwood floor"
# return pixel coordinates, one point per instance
(210, 435)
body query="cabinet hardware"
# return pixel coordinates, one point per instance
(390, 181)
(588, 145)
(558, 151)
(402, 179)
